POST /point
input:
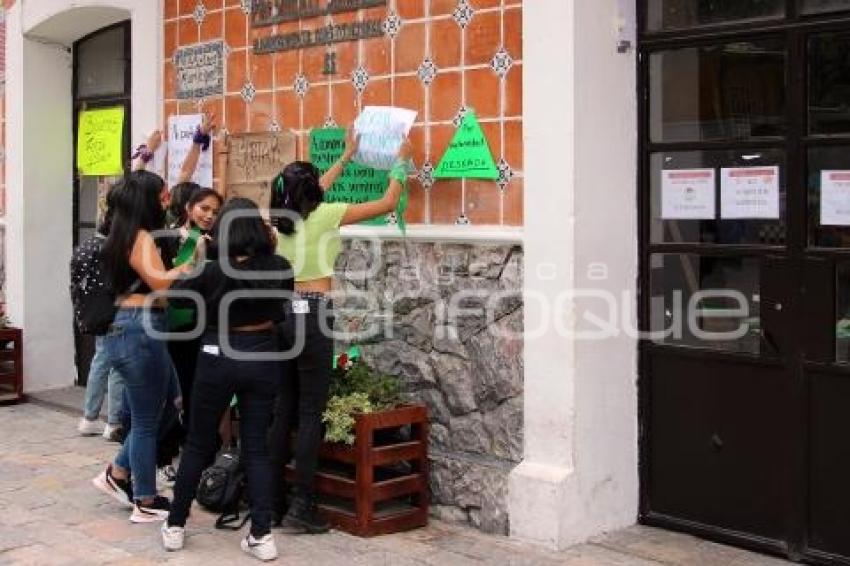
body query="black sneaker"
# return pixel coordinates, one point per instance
(303, 517)
(157, 510)
(120, 490)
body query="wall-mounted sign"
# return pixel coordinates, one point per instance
(270, 12)
(468, 155)
(181, 130)
(688, 194)
(200, 70)
(327, 35)
(253, 160)
(749, 192)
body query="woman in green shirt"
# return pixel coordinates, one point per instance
(308, 236)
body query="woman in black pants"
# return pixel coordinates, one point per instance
(309, 238)
(244, 287)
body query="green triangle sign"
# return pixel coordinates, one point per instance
(468, 156)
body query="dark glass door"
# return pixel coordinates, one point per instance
(101, 80)
(745, 272)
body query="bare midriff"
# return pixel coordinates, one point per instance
(323, 285)
(139, 300)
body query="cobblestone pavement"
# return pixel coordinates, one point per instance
(51, 514)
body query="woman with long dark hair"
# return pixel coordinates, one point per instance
(135, 270)
(309, 238)
(237, 356)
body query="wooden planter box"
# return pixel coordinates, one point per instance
(380, 484)
(11, 365)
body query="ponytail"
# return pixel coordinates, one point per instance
(296, 193)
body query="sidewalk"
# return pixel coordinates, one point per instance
(50, 514)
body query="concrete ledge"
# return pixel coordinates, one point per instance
(447, 234)
(537, 494)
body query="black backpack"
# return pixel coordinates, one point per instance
(221, 489)
(91, 292)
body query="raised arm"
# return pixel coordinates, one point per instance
(145, 152)
(388, 203)
(331, 175)
(200, 142)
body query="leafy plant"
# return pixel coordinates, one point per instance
(356, 388)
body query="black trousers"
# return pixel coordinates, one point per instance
(184, 354)
(255, 384)
(303, 395)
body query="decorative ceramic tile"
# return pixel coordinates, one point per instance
(302, 85)
(330, 122)
(275, 126)
(426, 175)
(463, 220)
(360, 79)
(502, 62)
(248, 92)
(461, 113)
(462, 15)
(392, 25)
(246, 6)
(506, 173)
(199, 13)
(427, 71)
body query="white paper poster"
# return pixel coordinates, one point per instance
(835, 198)
(749, 192)
(181, 130)
(381, 130)
(687, 194)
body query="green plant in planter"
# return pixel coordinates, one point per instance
(356, 388)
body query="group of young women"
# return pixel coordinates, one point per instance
(264, 281)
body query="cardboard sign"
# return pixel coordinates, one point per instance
(382, 129)
(357, 183)
(688, 194)
(468, 156)
(181, 130)
(99, 139)
(254, 160)
(749, 192)
(835, 198)
(200, 70)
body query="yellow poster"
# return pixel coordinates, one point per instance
(99, 138)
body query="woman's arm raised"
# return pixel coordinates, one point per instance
(388, 203)
(331, 175)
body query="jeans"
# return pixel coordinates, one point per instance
(144, 364)
(303, 395)
(255, 384)
(103, 378)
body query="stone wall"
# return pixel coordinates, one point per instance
(446, 318)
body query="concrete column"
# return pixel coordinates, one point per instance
(579, 474)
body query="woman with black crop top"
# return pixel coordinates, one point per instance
(244, 285)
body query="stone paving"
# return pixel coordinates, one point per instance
(50, 514)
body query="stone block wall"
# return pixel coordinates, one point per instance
(447, 319)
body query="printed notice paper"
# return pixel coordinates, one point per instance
(687, 194)
(181, 130)
(749, 192)
(835, 198)
(382, 129)
(99, 138)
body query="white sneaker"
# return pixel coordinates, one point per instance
(264, 548)
(111, 433)
(173, 537)
(89, 428)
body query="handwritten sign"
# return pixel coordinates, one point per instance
(357, 183)
(468, 156)
(99, 138)
(200, 70)
(253, 160)
(270, 12)
(181, 130)
(382, 129)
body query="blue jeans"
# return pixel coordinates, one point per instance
(103, 378)
(144, 364)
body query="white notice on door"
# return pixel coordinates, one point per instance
(835, 198)
(749, 192)
(687, 194)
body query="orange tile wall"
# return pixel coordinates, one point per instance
(462, 55)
